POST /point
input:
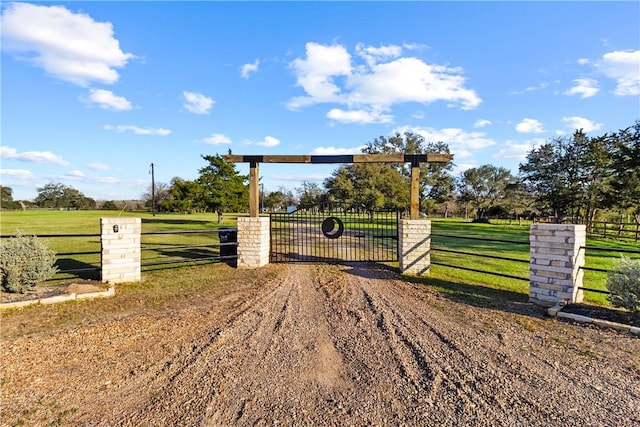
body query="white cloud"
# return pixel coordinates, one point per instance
(268, 141)
(217, 139)
(197, 103)
(329, 74)
(539, 86)
(247, 69)
(138, 130)
(481, 123)
(328, 151)
(75, 174)
(515, 150)
(460, 142)
(530, 126)
(586, 125)
(69, 46)
(586, 88)
(316, 73)
(373, 55)
(108, 180)
(583, 61)
(99, 167)
(32, 156)
(107, 100)
(410, 80)
(358, 116)
(21, 174)
(624, 68)
(459, 168)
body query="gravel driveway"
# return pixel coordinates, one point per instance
(324, 345)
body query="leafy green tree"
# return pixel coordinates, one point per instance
(279, 200)
(370, 186)
(484, 187)
(579, 175)
(57, 195)
(436, 182)
(6, 194)
(109, 205)
(595, 177)
(625, 182)
(310, 195)
(223, 188)
(6, 198)
(548, 176)
(185, 196)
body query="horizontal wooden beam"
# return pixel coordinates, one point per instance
(344, 158)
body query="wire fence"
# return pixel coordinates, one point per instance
(165, 249)
(159, 249)
(439, 240)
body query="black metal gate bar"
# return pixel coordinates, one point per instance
(334, 235)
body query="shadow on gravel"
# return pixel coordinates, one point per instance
(473, 295)
(371, 270)
(482, 296)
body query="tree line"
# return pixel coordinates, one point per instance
(575, 177)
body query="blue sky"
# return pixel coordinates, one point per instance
(94, 92)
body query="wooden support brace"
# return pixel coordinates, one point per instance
(254, 193)
(415, 191)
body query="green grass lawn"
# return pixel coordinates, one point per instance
(446, 235)
(517, 233)
(84, 252)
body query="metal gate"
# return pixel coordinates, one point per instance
(334, 235)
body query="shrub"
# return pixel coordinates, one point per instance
(624, 284)
(25, 261)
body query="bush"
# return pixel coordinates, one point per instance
(25, 261)
(624, 284)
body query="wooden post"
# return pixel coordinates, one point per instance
(415, 191)
(254, 194)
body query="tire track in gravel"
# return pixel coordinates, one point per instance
(356, 345)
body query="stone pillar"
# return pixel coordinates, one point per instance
(254, 241)
(556, 257)
(414, 245)
(120, 249)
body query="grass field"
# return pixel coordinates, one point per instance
(446, 236)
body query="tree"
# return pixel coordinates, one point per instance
(546, 174)
(157, 196)
(310, 195)
(578, 175)
(57, 195)
(436, 182)
(185, 196)
(371, 186)
(279, 200)
(625, 182)
(6, 198)
(484, 187)
(109, 205)
(223, 188)
(6, 194)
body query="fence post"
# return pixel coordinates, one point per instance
(414, 245)
(555, 273)
(120, 249)
(254, 242)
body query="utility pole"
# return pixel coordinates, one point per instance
(153, 192)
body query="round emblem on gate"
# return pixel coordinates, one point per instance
(332, 227)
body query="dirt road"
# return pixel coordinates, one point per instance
(324, 345)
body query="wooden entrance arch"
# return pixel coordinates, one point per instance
(414, 159)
